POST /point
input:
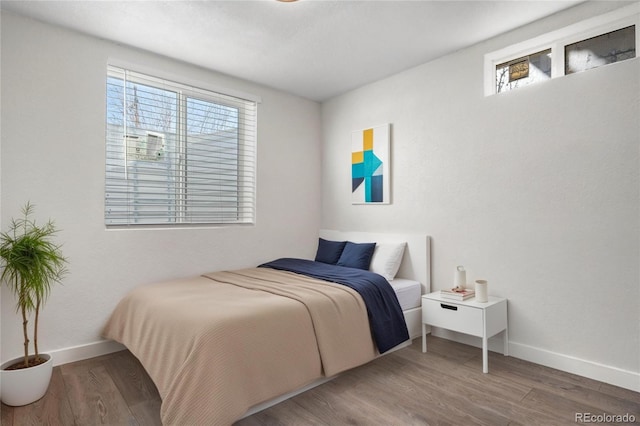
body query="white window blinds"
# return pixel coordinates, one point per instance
(176, 154)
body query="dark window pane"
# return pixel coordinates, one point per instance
(604, 49)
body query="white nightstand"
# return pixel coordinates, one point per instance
(470, 317)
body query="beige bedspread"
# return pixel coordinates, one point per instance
(217, 344)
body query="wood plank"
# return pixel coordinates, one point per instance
(619, 392)
(6, 415)
(383, 400)
(136, 387)
(147, 413)
(94, 397)
(285, 413)
(52, 409)
(130, 377)
(565, 409)
(581, 390)
(471, 375)
(453, 396)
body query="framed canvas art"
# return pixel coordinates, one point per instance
(370, 166)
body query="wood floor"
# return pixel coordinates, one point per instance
(443, 387)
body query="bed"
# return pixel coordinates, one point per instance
(228, 343)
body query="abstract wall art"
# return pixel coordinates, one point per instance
(370, 166)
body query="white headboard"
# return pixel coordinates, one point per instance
(416, 262)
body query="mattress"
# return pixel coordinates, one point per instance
(409, 292)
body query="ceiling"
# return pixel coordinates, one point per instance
(312, 48)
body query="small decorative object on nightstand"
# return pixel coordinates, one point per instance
(482, 294)
(466, 316)
(460, 277)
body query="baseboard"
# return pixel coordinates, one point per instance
(593, 370)
(570, 364)
(90, 350)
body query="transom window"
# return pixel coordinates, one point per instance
(176, 154)
(588, 44)
(614, 46)
(523, 71)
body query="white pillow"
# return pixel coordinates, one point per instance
(387, 258)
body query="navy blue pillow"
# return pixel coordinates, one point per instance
(357, 255)
(329, 251)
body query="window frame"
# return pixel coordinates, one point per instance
(557, 40)
(196, 90)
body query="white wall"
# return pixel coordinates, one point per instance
(53, 131)
(536, 191)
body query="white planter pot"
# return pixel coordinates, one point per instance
(27, 385)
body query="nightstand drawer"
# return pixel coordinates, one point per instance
(452, 316)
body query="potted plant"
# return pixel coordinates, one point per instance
(31, 263)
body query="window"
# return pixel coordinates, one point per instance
(588, 44)
(523, 71)
(176, 154)
(608, 48)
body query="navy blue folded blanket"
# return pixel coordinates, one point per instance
(385, 315)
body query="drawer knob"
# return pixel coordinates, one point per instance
(451, 307)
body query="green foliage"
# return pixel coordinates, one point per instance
(32, 263)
